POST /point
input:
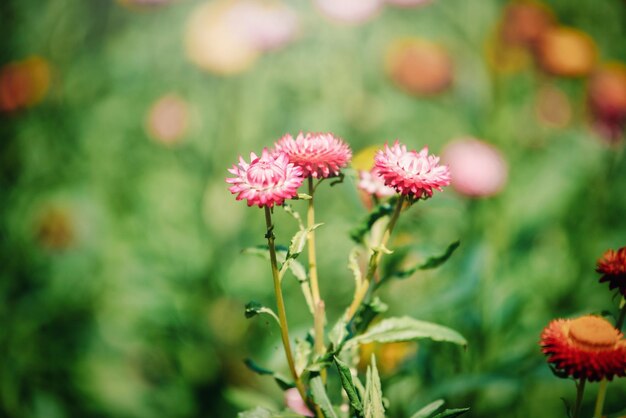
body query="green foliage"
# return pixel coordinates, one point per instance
(264, 413)
(321, 398)
(373, 402)
(407, 329)
(430, 263)
(283, 382)
(345, 375)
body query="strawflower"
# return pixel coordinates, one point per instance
(588, 347)
(266, 181)
(411, 172)
(612, 266)
(320, 155)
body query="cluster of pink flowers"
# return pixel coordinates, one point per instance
(277, 174)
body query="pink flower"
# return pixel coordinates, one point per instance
(319, 155)
(411, 172)
(371, 183)
(267, 180)
(478, 169)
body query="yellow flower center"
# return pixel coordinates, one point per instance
(593, 331)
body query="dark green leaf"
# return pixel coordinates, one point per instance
(429, 409)
(282, 381)
(255, 308)
(430, 263)
(345, 375)
(407, 329)
(320, 397)
(451, 413)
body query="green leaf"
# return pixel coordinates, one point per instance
(367, 313)
(299, 240)
(429, 409)
(302, 354)
(255, 308)
(281, 380)
(407, 329)
(373, 403)
(451, 413)
(259, 412)
(353, 265)
(430, 263)
(304, 196)
(320, 397)
(345, 375)
(358, 233)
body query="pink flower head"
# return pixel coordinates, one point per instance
(294, 401)
(267, 180)
(373, 184)
(411, 172)
(319, 155)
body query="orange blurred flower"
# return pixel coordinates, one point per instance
(24, 83)
(419, 67)
(566, 52)
(607, 99)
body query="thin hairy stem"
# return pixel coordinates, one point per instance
(280, 304)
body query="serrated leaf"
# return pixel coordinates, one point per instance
(430, 263)
(255, 308)
(259, 412)
(429, 409)
(299, 241)
(407, 329)
(353, 265)
(302, 354)
(304, 196)
(338, 332)
(281, 380)
(373, 403)
(345, 375)
(366, 314)
(451, 413)
(320, 397)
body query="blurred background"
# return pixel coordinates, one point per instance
(122, 283)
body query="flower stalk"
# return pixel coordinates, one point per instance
(318, 303)
(280, 304)
(580, 391)
(375, 258)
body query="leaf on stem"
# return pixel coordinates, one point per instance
(289, 209)
(345, 375)
(320, 397)
(429, 409)
(451, 413)
(282, 381)
(302, 355)
(299, 240)
(407, 329)
(373, 403)
(430, 263)
(255, 308)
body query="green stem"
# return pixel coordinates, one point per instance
(280, 303)
(580, 390)
(318, 304)
(600, 399)
(375, 258)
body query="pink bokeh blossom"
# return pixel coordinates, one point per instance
(371, 183)
(266, 181)
(411, 172)
(320, 155)
(294, 401)
(478, 169)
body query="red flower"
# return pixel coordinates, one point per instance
(612, 265)
(588, 347)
